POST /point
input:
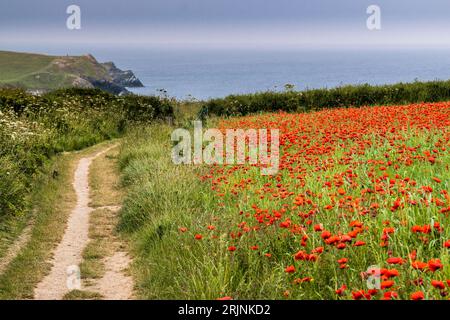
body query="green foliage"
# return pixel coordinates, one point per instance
(345, 96)
(34, 128)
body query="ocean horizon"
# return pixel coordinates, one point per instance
(212, 73)
(205, 74)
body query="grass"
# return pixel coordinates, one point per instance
(100, 246)
(14, 65)
(82, 295)
(39, 71)
(104, 181)
(53, 199)
(105, 191)
(161, 198)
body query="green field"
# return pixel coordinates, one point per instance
(45, 72)
(15, 66)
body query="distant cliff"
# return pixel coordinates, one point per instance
(38, 72)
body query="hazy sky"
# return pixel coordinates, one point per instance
(226, 23)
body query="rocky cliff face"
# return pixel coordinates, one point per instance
(86, 72)
(105, 76)
(124, 78)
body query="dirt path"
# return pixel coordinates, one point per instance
(115, 284)
(68, 254)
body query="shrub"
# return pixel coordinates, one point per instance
(315, 99)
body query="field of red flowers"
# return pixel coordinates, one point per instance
(358, 210)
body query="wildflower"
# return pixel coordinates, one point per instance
(326, 234)
(438, 284)
(418, 265)
(434, 265)
(318, 227)
(389, 295)
(387, 284)
(341, 290)
(417, 295)
(290, 269)
(395, 260)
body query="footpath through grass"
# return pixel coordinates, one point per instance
(53, 199)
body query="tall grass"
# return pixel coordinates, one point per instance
(161, 198)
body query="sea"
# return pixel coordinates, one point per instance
(211, 73)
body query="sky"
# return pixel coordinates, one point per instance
(275, 24)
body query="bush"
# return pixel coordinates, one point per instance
(315, 99)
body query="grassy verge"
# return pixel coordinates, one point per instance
(161, 199)
(53, 199)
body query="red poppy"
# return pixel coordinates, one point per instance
(438, 284)
(326, 234)
(389, 295)
(357, 295)
(395, 260)
(387, 284)
(317, 250)
(434, 265)
(341, 290)
(417, 295)
(418, 265)
(198, 237)
(318, 227)
(392, 273)
(290, 269)
(231, 248)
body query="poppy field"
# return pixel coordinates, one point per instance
(358, 210)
